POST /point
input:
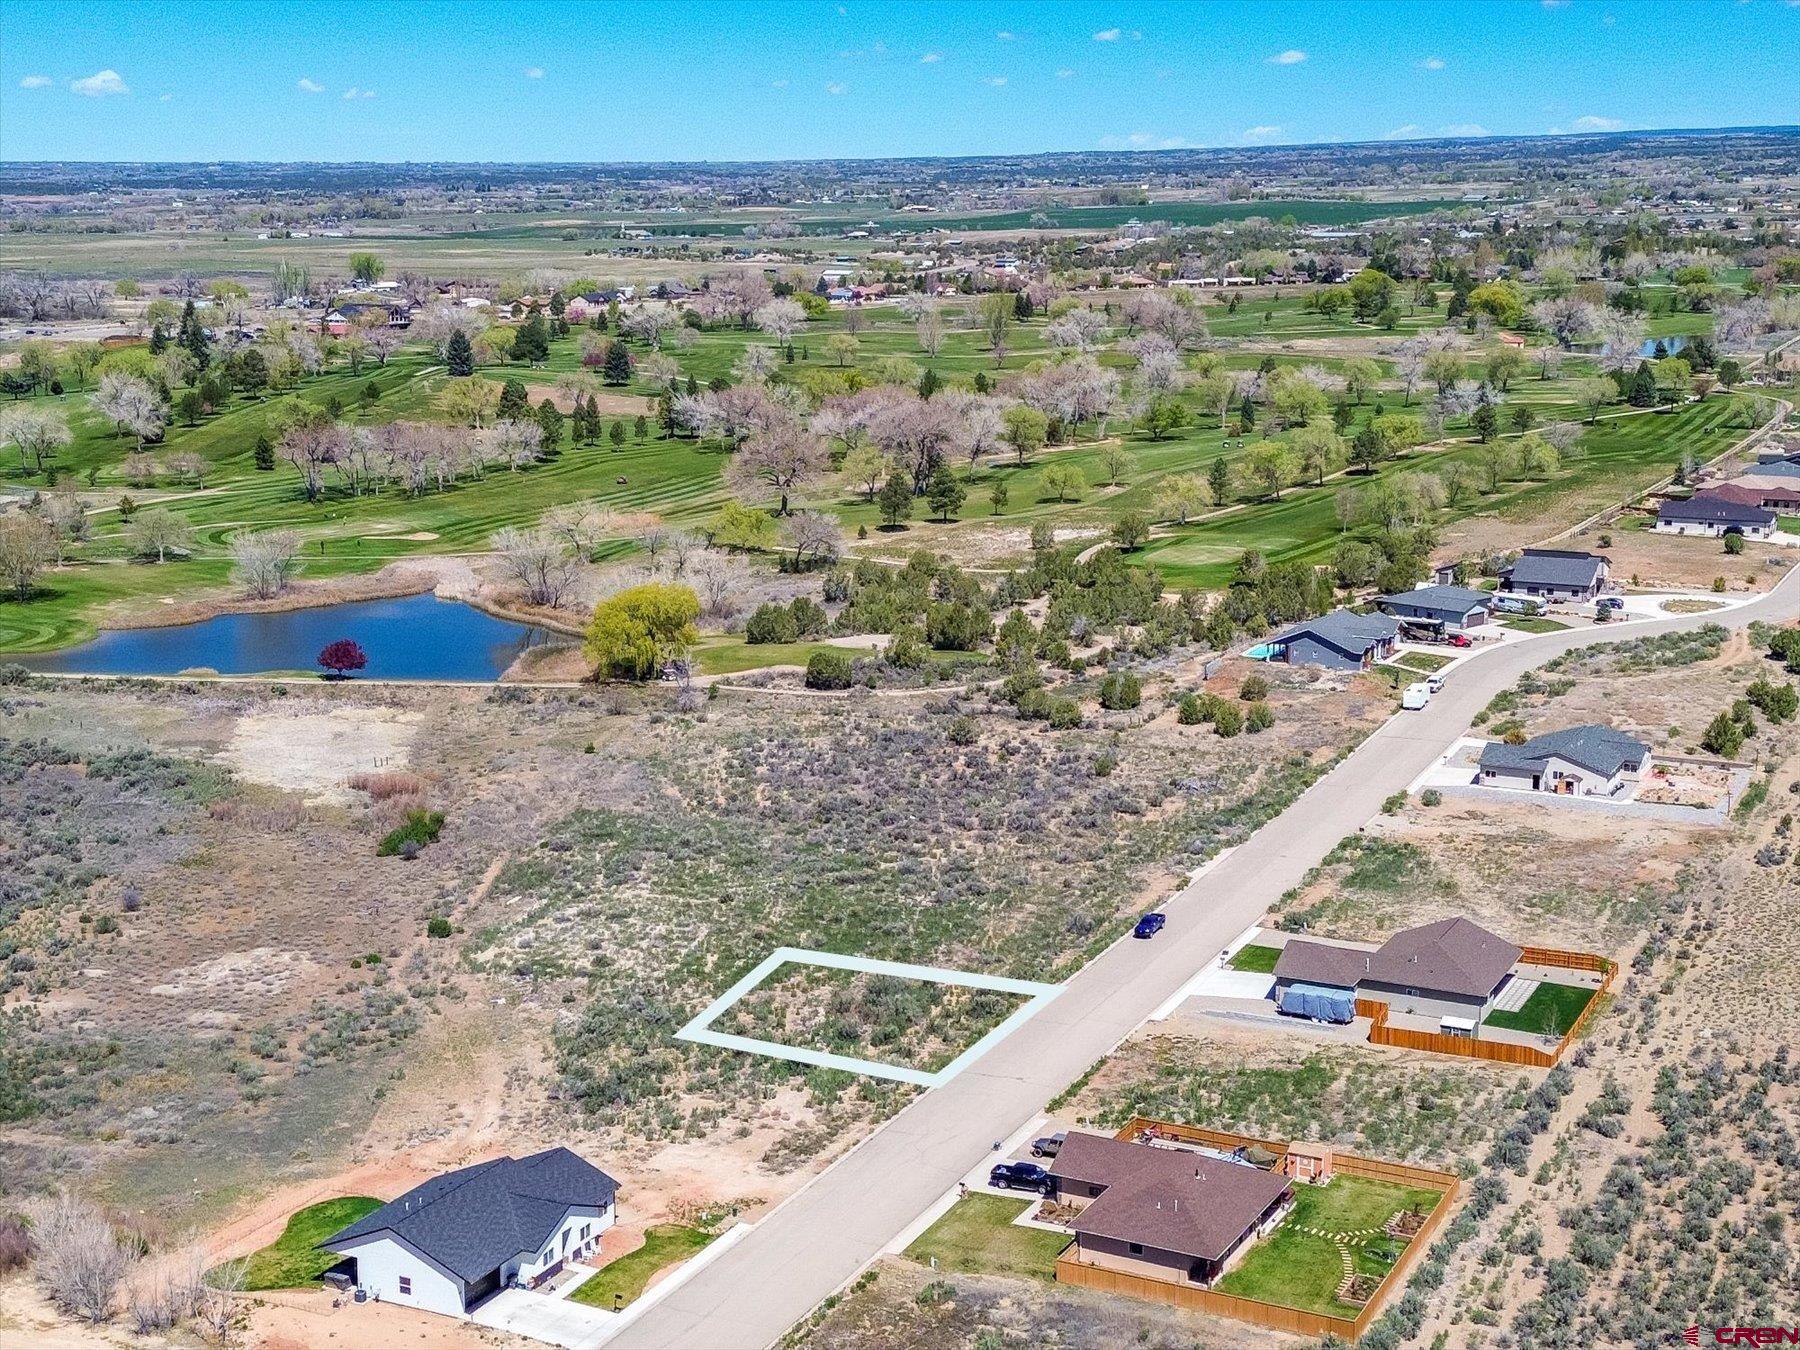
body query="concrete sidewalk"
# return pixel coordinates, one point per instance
(819, 1239)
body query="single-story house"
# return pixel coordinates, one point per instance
(1340, 640)
(1556, 574)
(1165, 1213)
(1762, 488)
(1711, 513)
(453, 1241)
(1451, 970)
(1586, 761)
(1454, 607)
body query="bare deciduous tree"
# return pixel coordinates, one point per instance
(264, 561)
(80, 1261)
(27, 546)
(540, 562)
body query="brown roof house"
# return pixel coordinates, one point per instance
(1449, 971)
(1163, 1213)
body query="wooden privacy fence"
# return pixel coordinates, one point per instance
(1273, 1315)
(1505, 1052)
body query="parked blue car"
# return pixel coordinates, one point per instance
(1021, 1176)
(1150, 925)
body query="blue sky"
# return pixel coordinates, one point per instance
(639, 79)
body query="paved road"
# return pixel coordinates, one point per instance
(822, 1236)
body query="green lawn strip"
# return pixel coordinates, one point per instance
(1255, 958)
(1528, 624)
(664, 1245)
(292, 1261)
(1425, 661)
(1298, 1270)
(1788, 524)
(1550, 1011)
(730, 655)
(977, 1237)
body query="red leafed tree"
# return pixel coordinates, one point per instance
(343, 656)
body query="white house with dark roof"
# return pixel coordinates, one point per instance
(1585, 761)
(458, 1239)
(1714, 514)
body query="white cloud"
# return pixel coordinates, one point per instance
(1065, 74)
(1591, 123)
(1261, 133)
(1556, 4)
(36, 82)
(100, 84)
(1432, 63)
(1464, 129)
(354, 93)
(165, 98)
(534, 72)
(1005, 35)
(1405, 133)
(1293, 56)
(778, 84)
(309, 86)
(996, 81)
(1142, 140)
(836, 87)
(1108, 35)
(931, 58)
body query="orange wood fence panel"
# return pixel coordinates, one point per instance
(1271, 1315)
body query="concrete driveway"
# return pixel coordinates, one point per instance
(823, 1235)
(544, 1317)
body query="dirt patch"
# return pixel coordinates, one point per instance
(316, 752)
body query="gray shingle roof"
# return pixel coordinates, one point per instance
(1458, 600)
(1317, 963)
(1345, 630)
(473, 1220)
(1774, 468)
(1599, 749)
(1453, 956)
(1555, 567)
(1714, 509)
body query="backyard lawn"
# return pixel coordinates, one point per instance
(664, 1245)
(1423, 661)
(1551, 1010)
(1258, 959)
(1297, 1269)
(977, 1237)
(292, 1261)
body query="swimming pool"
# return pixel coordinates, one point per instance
(1262, 651)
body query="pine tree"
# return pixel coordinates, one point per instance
(928, 383)
(1247, 413)
(1218, 478)
(265, 454)
(642, 427)
(515, 403)
(459, 355)
(159, 339)
(551, 421)
(895, 500)
(532, 345)
(193, 337)
(617, 435)
(593, 419)
(618, 364)
(1642, 393)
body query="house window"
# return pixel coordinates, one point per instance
(406, 1284)
(1137, 1248)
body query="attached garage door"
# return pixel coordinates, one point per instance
(480, 1289)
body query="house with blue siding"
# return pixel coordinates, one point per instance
(1340, 640)
(1453, 607)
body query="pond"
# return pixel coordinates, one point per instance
(1671, 346)
(416, 637)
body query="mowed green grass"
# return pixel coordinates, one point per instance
(1300, 1270)
(977, 1236)
(1550, 1010)
(682, 481)
(292, 1261)
(1255, 958)
(664, 1245)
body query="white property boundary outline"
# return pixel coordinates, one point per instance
(700, 1029)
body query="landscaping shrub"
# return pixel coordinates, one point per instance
(828, 670)
(1120, 690)
(1254, 689)
(1261, 717)
(1190, 712)
(421, 828)
(1431, 797)
(1227, 720)
(770, 623)
(1395, 804)
(1734, 544)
